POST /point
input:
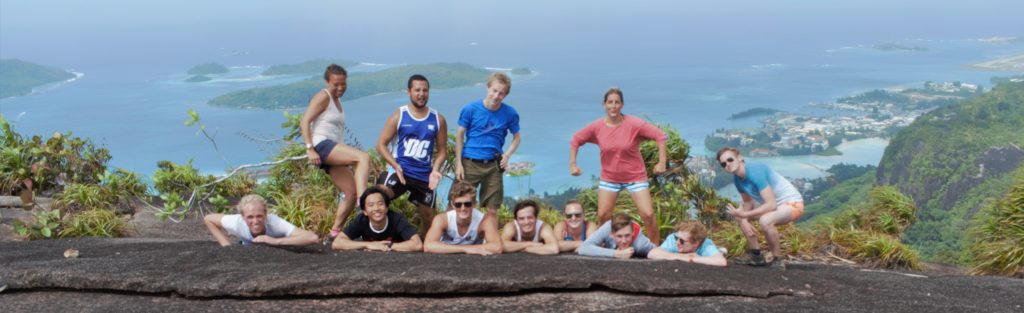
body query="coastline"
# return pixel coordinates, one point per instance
(1007, 64)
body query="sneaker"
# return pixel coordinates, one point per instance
(329, 239)
(777, 264)
(756, 260)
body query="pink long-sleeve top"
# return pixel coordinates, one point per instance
(621, 161)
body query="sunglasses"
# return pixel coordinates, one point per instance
(573, 215)
(459, 205)
(680, 241)
(727, 161)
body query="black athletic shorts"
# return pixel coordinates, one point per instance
(419, 192)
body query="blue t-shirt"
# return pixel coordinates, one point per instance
(707, 248)
(760, 176)
(414, 144)
(486, 130)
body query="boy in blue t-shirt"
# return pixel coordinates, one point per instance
(483, 125)
(690, 243)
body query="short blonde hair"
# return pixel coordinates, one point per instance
(251, 199)
(501, 78)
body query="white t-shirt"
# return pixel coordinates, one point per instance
(276, 227)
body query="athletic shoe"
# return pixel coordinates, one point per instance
(777, 264)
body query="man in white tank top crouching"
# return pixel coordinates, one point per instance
(527, 232)
(463, 228)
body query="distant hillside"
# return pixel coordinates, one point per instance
(207, 69)
(308, 67)
(17, 77)
(951, 161)
(441, 76)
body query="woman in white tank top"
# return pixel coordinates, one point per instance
(323, 131)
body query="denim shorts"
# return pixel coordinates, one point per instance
(323, 148)
(616, 187)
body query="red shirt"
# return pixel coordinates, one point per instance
(621, 161)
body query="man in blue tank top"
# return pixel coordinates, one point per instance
(415, 133)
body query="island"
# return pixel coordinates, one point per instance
(753, 112)
(876, 113)
(360, 84)
(521, 71)
(18, 78)
(198, 79)
(887, 47)
(208, 69)
(308, 67)
(1008, 64)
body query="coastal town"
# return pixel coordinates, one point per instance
(876, 113)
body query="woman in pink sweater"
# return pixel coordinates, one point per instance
(622, 166)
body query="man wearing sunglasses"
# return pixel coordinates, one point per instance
(463, 229)
(767, 196)
(690, 244)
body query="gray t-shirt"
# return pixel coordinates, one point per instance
(602, 244)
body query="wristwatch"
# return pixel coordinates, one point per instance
(309, 146)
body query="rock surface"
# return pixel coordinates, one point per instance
(142, 274)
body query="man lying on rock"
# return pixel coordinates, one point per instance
(463, 229)
(621, 238)
(377, 228)
(254, 225)
(690, 244)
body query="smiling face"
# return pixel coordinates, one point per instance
(464, 206)
(255, 216)
(574, 215)
(613, 105)
(623, 238)
(336, 84)
(527, 219)
(496, 92)
(685, 242)
(419, 93)
(375, 208)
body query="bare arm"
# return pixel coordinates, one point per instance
(550, 246)
(433, 243)
(660, 167)
(516, 138)
(661, 254)
(565, 245)
(489, 227)
(316, 106)
(212, 222)
(413, 244)
(573, 169)
(442, 144)
(459, 139)
(298, 237)
(386, 135)
(769, 203)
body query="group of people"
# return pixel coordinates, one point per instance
(414, 144)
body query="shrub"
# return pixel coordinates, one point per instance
(45, 225)
(998, 237)
(94, 223)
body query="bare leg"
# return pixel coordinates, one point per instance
(605, 205)
(426, 217)
(748, 231)
(342, 178)
(782, 215)
(359, 160)
(642, 199)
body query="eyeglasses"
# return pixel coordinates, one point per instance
(459, 205)
(727, 161)
(573, 215)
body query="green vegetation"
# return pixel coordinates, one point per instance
(953, 159)
(198, 79)
(754, 112)
(17, 77)
(181, 185)
(208, 69)
(998, 234)
(309, 67)
(297, 94)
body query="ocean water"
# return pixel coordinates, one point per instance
(686, 64)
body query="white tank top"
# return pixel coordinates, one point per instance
(471, 237)
(330, 124)
(536, 231)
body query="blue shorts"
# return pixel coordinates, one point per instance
(616, 187)
(323, 148)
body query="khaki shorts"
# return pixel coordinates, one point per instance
(487, 177)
